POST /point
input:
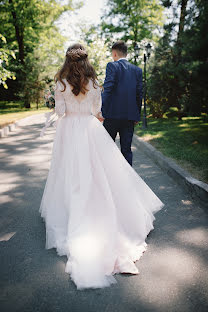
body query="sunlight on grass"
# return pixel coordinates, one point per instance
(190, 118)
(149, 137)
(11, 118)
(184, 125)
(184, 141)
(13, 111)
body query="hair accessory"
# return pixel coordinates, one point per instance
(76, 54)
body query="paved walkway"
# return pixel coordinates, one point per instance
(173, 273)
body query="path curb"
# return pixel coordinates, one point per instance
(195, 187)
(5, 131)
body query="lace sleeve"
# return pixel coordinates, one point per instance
(97, 103)
(60, 106)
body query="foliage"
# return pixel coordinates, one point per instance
(132, 21)
(99, 54)
(4, 61)
(30, 29)
(99, 57)
(179, 76)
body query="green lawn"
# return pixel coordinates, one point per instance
(184, 141)
(12, 111)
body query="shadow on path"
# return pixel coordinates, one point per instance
(173, 271)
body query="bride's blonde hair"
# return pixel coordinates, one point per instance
(76, 69)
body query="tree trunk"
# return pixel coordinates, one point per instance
(182, 18)
(19, 33)
(181, 26)
(178, 53)
(27, 102)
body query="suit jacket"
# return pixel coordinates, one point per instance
(122, 94)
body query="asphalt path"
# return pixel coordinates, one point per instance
(173, 271)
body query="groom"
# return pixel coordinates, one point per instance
(122, 98)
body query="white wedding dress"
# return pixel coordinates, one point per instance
(97, 210)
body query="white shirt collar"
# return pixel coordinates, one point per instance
(122, 58)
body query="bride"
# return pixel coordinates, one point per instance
(97, 210)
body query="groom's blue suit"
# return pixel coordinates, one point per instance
(121, 102)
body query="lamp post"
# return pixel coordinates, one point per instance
(147, 53)
(136, 53)
(146, 56)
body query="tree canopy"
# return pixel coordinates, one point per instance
(132, 20)
(179, 75)
(30, 31)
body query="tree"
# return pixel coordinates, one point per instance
(179, 75)
(98, 51)
(132, 20)
(196, 53)
(27, 25)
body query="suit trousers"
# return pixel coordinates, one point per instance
(125, 128)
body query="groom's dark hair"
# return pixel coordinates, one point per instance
(120, 46)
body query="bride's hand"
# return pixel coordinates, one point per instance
(100, 119)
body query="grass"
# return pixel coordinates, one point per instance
(184, 141)
(12, 111)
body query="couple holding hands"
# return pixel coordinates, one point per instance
(97, 210)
